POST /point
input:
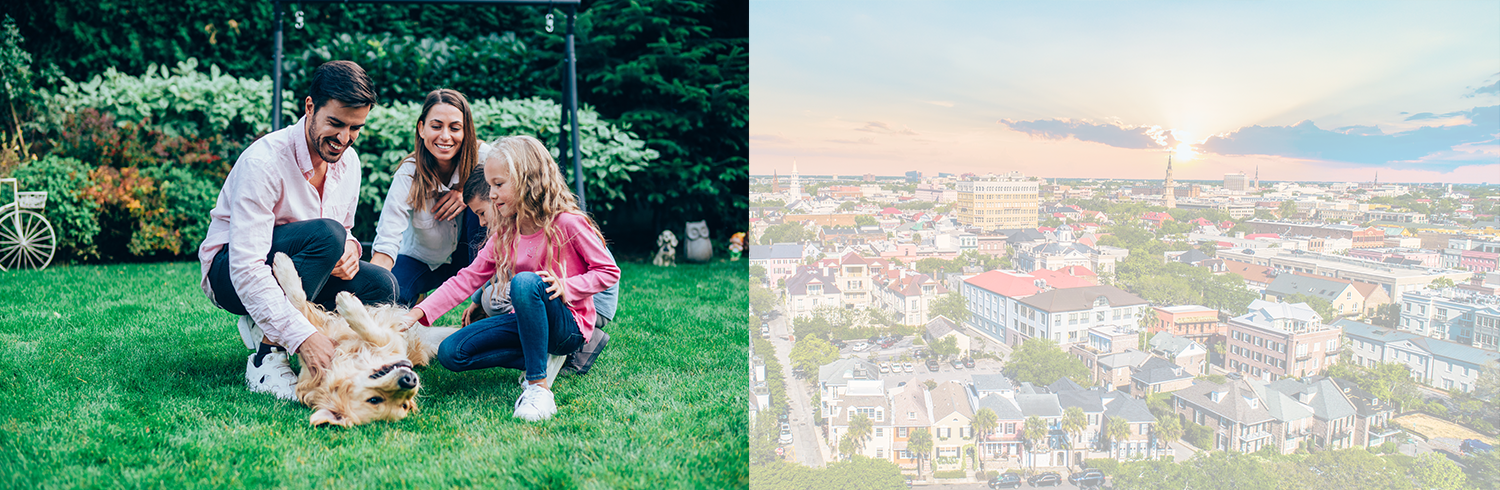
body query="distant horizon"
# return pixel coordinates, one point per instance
(1263, 181)
(1307, 92)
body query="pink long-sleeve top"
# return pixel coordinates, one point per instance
(591, 270)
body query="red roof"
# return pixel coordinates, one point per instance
(1059, 280)
(1226, 224)
(1092, 225)
(1201, 222)
(1045, 229)
(1253, 236)
(1005, 283)
(1154, 216)
(1225, 245)
(1058, 215)
(890, 211)
(1078, 271)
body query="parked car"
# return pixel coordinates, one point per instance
(782, 418)
(909, 367)
(786, 433)
(1471, 446)
(860, 346)
(1087, 478)
(765, 332)
(969, 362)
(957, 364)
(1006, 480)
(1048, 479)
(838, 343)
(885, 367)
(932, 365)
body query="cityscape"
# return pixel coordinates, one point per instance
(998, 330)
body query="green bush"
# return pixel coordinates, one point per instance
(181, 101)
(949, 474)
(74, 217)
(982, 475)
(1107, 465)
(405, 68)
(611, 154)
(1200, 436)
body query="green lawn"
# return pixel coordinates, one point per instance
(124, 376)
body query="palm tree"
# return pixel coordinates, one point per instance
(985, 421)
(919, 443)
(848, 445)
(1035, 432)
(860, 428)
(1168, 431)
(1073, 422)
(1116, 429)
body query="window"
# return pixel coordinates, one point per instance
(879, 452)
(880, 432)
(1010, 428)
(903, 431)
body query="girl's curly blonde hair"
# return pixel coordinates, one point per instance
(542, 195)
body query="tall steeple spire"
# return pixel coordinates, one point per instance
(1257, 177)
(1169, 189)
(796, 188)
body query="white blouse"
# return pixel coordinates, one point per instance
(419, 234)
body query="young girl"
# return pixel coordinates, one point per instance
(420, 237)
(553, 257)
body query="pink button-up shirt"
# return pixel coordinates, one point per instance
(268, 187)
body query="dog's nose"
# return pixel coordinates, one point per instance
(407, 381)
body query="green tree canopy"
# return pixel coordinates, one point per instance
(762, 300)
(1040, 362)
(953, 306)
(789, 232)
(1435, 471)
(946, 347)
(810, 353)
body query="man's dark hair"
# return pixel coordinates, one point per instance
(343, 81)
(476, 186)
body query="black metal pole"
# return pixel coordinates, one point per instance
(276, 69)
(563, 145)
(572, 56)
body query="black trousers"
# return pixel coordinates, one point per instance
(315, 247)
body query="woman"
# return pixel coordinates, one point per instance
(425, 230)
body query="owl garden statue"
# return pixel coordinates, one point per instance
(698, 248)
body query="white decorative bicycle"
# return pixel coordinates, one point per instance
(26, 237)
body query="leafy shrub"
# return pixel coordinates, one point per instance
(74, 217)
(1389, 447)
(1200, 436)
(405, 68)
(949, 474)
(1106, 465)
(183, 101)
(611, 154)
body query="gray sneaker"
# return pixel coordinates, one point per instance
(580, 362)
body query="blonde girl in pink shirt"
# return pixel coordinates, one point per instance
(554, 259)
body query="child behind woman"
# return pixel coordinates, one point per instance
(554, 260)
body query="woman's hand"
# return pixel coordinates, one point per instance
(383, 260)
(411, 318)
(554, 285)
(449, 205)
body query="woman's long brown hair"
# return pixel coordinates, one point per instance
(425, 182)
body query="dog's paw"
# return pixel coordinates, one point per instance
(347, 301)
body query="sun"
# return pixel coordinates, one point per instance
(1184, 151)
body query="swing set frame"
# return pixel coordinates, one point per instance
(568, 149)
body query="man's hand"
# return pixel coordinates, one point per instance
(449, 205)
(316, 352)
(348, 265)
(382, 260)
(554, 285)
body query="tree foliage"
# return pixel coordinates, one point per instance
(858, 473)
(920, 444)
(762, 300)
(1040, 362)
(953, 306)
(788, 232)
(1435, 471)
(945, 347)
(810, 353)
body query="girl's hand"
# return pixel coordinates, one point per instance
(554, 285)
(471, 315)
(412, 317)
(448, 205)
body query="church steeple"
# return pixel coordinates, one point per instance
(1169, 189)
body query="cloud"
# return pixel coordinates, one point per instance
(1367, 146)
(1428, 115)
(861, 141)
(771, 138)
(883, 128)
(1110, 134)
(1492, 88)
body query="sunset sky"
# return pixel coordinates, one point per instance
(1319, 91)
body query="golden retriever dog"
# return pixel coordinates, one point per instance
(370, 377)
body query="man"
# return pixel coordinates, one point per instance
(294, 191)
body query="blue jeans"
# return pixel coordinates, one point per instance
(520, 340)
(414, 277)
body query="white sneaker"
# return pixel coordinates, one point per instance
(554, 365)
(274, 376)
(536, 403)
(250, 332)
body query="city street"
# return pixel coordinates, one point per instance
(810, 450)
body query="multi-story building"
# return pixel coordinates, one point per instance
(997, 203)
(1333, 424)
(1436, 363)
(1199, 323)
(1235, 182)
(865, 398)
(909, 297)
(1344, 298)
(1372, 415)
(1396, 279)
(835, 377)
(780, 260)
(1278, 340)
(1005, 441)
(993, 299)
(1158, 375)
(1066, 315)
(952, 423)
(911, 409)
(1395, 217)
(1188, 354)
(1065, 251)
(1110, 355)
(812, 288)
(1363, 237)
(1234, 411)
(1453, 314)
